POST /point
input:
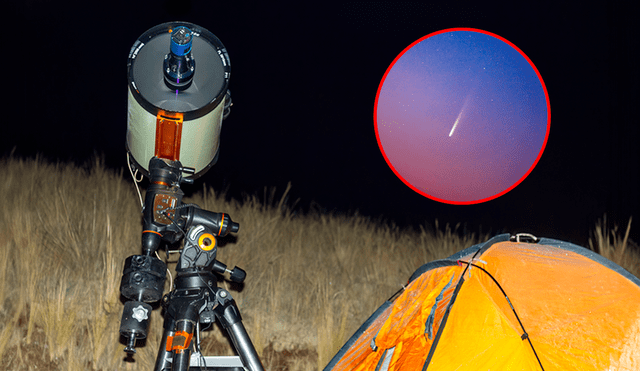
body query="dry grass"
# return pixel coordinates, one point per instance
(312, 279)
(620, 250)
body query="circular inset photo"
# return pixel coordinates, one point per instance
(462, 116)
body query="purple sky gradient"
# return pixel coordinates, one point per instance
(503, 116)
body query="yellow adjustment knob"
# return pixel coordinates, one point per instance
(207, 242)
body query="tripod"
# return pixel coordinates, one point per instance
(195, 298)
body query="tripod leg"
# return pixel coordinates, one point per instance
(163, 361)
(229, 317)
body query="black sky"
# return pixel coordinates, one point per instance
(304, 81)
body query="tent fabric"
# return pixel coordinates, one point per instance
(505, 305)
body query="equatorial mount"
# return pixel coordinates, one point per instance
(195, 298)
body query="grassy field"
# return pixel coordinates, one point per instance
(311, 280)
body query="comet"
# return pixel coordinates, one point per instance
(464, 106)
(455, 124)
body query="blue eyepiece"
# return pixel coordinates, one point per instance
(179, 65)
(181, 38)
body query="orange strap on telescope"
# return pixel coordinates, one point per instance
(168, 135)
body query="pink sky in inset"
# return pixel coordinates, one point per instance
(503, 115)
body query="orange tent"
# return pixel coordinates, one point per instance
(505, 305)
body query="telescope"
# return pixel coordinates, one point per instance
(175, 110)
(178, 96)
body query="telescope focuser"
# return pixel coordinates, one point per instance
(179, 65)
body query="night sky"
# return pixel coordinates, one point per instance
(472, 80)
(304, 81)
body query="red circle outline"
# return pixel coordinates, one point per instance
(375, 116)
